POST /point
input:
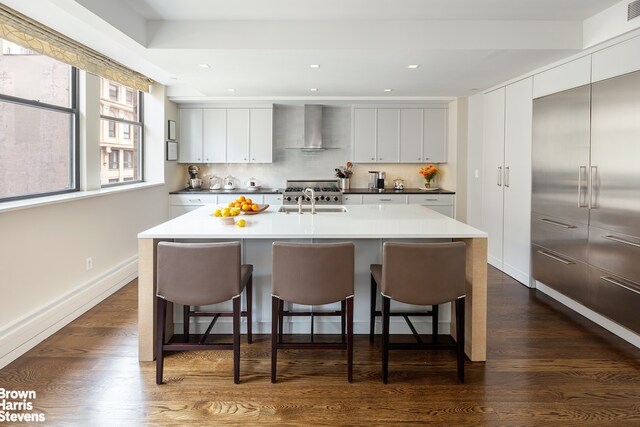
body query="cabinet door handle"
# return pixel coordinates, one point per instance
(582, 199)
(373, 158)
(556, 223)
(593, 197)
(499, 176)
(384, 200)
(195, 200)
(623, 241)
(506, 176)
(430, 200)
(253, 160)
(617, 283)
(557, 258)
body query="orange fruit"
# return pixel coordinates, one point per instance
(231, 204)
(246, 207)
(255, 207)
(238, 205)
(241, 199)
(249, 201)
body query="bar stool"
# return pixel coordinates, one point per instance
(422, 274)
(312, 274)
(196, 274)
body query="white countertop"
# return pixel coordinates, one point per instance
(360, 222)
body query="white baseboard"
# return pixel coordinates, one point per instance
(22, 335)
(609, 325)
(520, 276)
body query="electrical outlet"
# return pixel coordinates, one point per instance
(477, 173)
(89, 263)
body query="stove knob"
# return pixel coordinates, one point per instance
(288, 198)
(317, 198)
(308, 199)
(321, 197)
(335, 198)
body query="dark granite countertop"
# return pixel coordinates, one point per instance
(262, 190)
(392, 191)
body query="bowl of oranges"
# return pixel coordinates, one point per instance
(246, 206)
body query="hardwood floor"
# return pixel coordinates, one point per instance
(546, 366)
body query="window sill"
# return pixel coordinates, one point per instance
(61, 198)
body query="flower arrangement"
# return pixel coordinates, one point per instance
(345, 171)
(429, 173)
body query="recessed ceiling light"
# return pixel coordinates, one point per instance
(314, 66)
(388, 90)
(314, 89)
(231, 89)
(413, 66)
(204, 65)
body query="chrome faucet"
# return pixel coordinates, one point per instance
(300, 204)
(312, 195)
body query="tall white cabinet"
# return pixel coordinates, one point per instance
(506, 198)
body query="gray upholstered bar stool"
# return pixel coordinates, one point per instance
(312, 274)
(422, 274)
(196, 274)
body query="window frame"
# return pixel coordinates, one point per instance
(74, 144)
(135, 125)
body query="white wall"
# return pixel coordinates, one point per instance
(474, 161)
(43, 279)
(288, 125)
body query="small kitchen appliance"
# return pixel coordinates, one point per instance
(252, 184)
(326, 192)
(380, 180)
(373, 180)
(194, 183)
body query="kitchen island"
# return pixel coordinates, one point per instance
(368, 226)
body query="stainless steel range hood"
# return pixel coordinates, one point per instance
(313, 128)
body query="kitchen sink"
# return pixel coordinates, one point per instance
(307, 209)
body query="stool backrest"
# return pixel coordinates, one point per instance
(312, 273)
(198, 273)
(424, 273)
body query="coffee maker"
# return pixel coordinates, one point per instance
(376, 180)
(194, 183)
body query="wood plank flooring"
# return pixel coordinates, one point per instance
(546, 366)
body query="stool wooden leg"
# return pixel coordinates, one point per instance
(372, 306)
(343, 305)
(434, 325)
(161, 310)
(280, 320)
(250, 310)
(460, 337)
(275, 320)
(185, 322)
(386, 306)
(236, 340)
(349, 309)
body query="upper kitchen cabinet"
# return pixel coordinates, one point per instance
(226, 135)
(191, 135)
(616, 60)
(249, 135)
(566, 76)
(507, 177)
(400, 135)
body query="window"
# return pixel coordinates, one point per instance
(127, 161)
(122, 131)
(38, 124)
(113, 92)
(112, 129)
(114, 162)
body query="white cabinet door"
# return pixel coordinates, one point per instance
(364, 135)
(492, 173)
(273, 199)
(435, 135)
(517, 180)
(616, 60)
(261, 135)
(411, 135)
(388, 135)
(352, 199)
(238, 135)
(190, 135)
(566, 76)
(214, 135)
(383, 199)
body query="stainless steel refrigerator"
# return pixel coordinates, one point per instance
(585, 220)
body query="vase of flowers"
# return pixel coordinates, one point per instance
(429, 172)
(344, 173)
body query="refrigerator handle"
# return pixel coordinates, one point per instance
(582, 197)
(499, 176)
(506, 176)
(593, 188)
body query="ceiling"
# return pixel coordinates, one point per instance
(263, 49)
